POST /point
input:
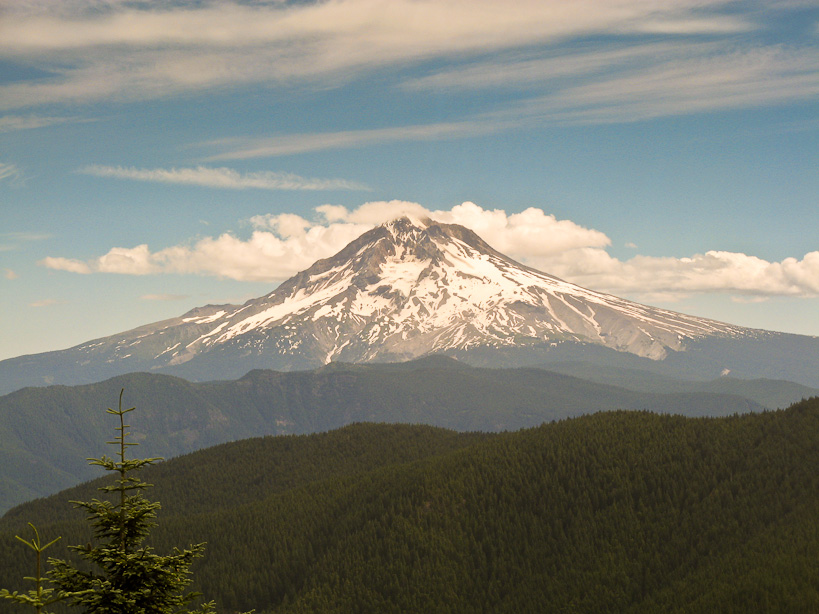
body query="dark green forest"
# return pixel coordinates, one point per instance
(47, 433)
(618, 511)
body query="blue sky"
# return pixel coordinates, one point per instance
(156, 156)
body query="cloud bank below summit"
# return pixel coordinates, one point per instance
(284, 244)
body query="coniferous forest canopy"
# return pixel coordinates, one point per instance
(611, 512)
(47, 433)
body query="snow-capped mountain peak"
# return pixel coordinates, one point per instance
(414, 286)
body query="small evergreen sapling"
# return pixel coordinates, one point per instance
(128, 577)
(38, 597)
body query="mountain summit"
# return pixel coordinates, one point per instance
(404, 289)
(411, 287)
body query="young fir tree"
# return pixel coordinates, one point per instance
(126, 576)
(38, 597)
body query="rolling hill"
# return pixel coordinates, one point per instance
(46, 433)
(612, 512)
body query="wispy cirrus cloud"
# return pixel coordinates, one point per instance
(583, 62)
(44, 303)
(282, 145)
(10, 172)
(26, 236)
(734, 79)
(536, 69)
(355, 28)
(12, 123)
(164, 297)
(13, 240)
(123, 51)
(624, 84)
(283, 244)
(636, 81)
(224, 178)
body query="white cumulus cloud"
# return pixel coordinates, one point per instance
(58, 263)
(283, 244)
(714, 271)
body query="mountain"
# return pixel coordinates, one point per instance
(413, 287)
(46, 433)
(613, 512)
(770, 393)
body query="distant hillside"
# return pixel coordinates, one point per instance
(772, 393)
(46, 433)
(613, 512)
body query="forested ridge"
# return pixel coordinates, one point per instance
(611, 512)
(47, 433)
